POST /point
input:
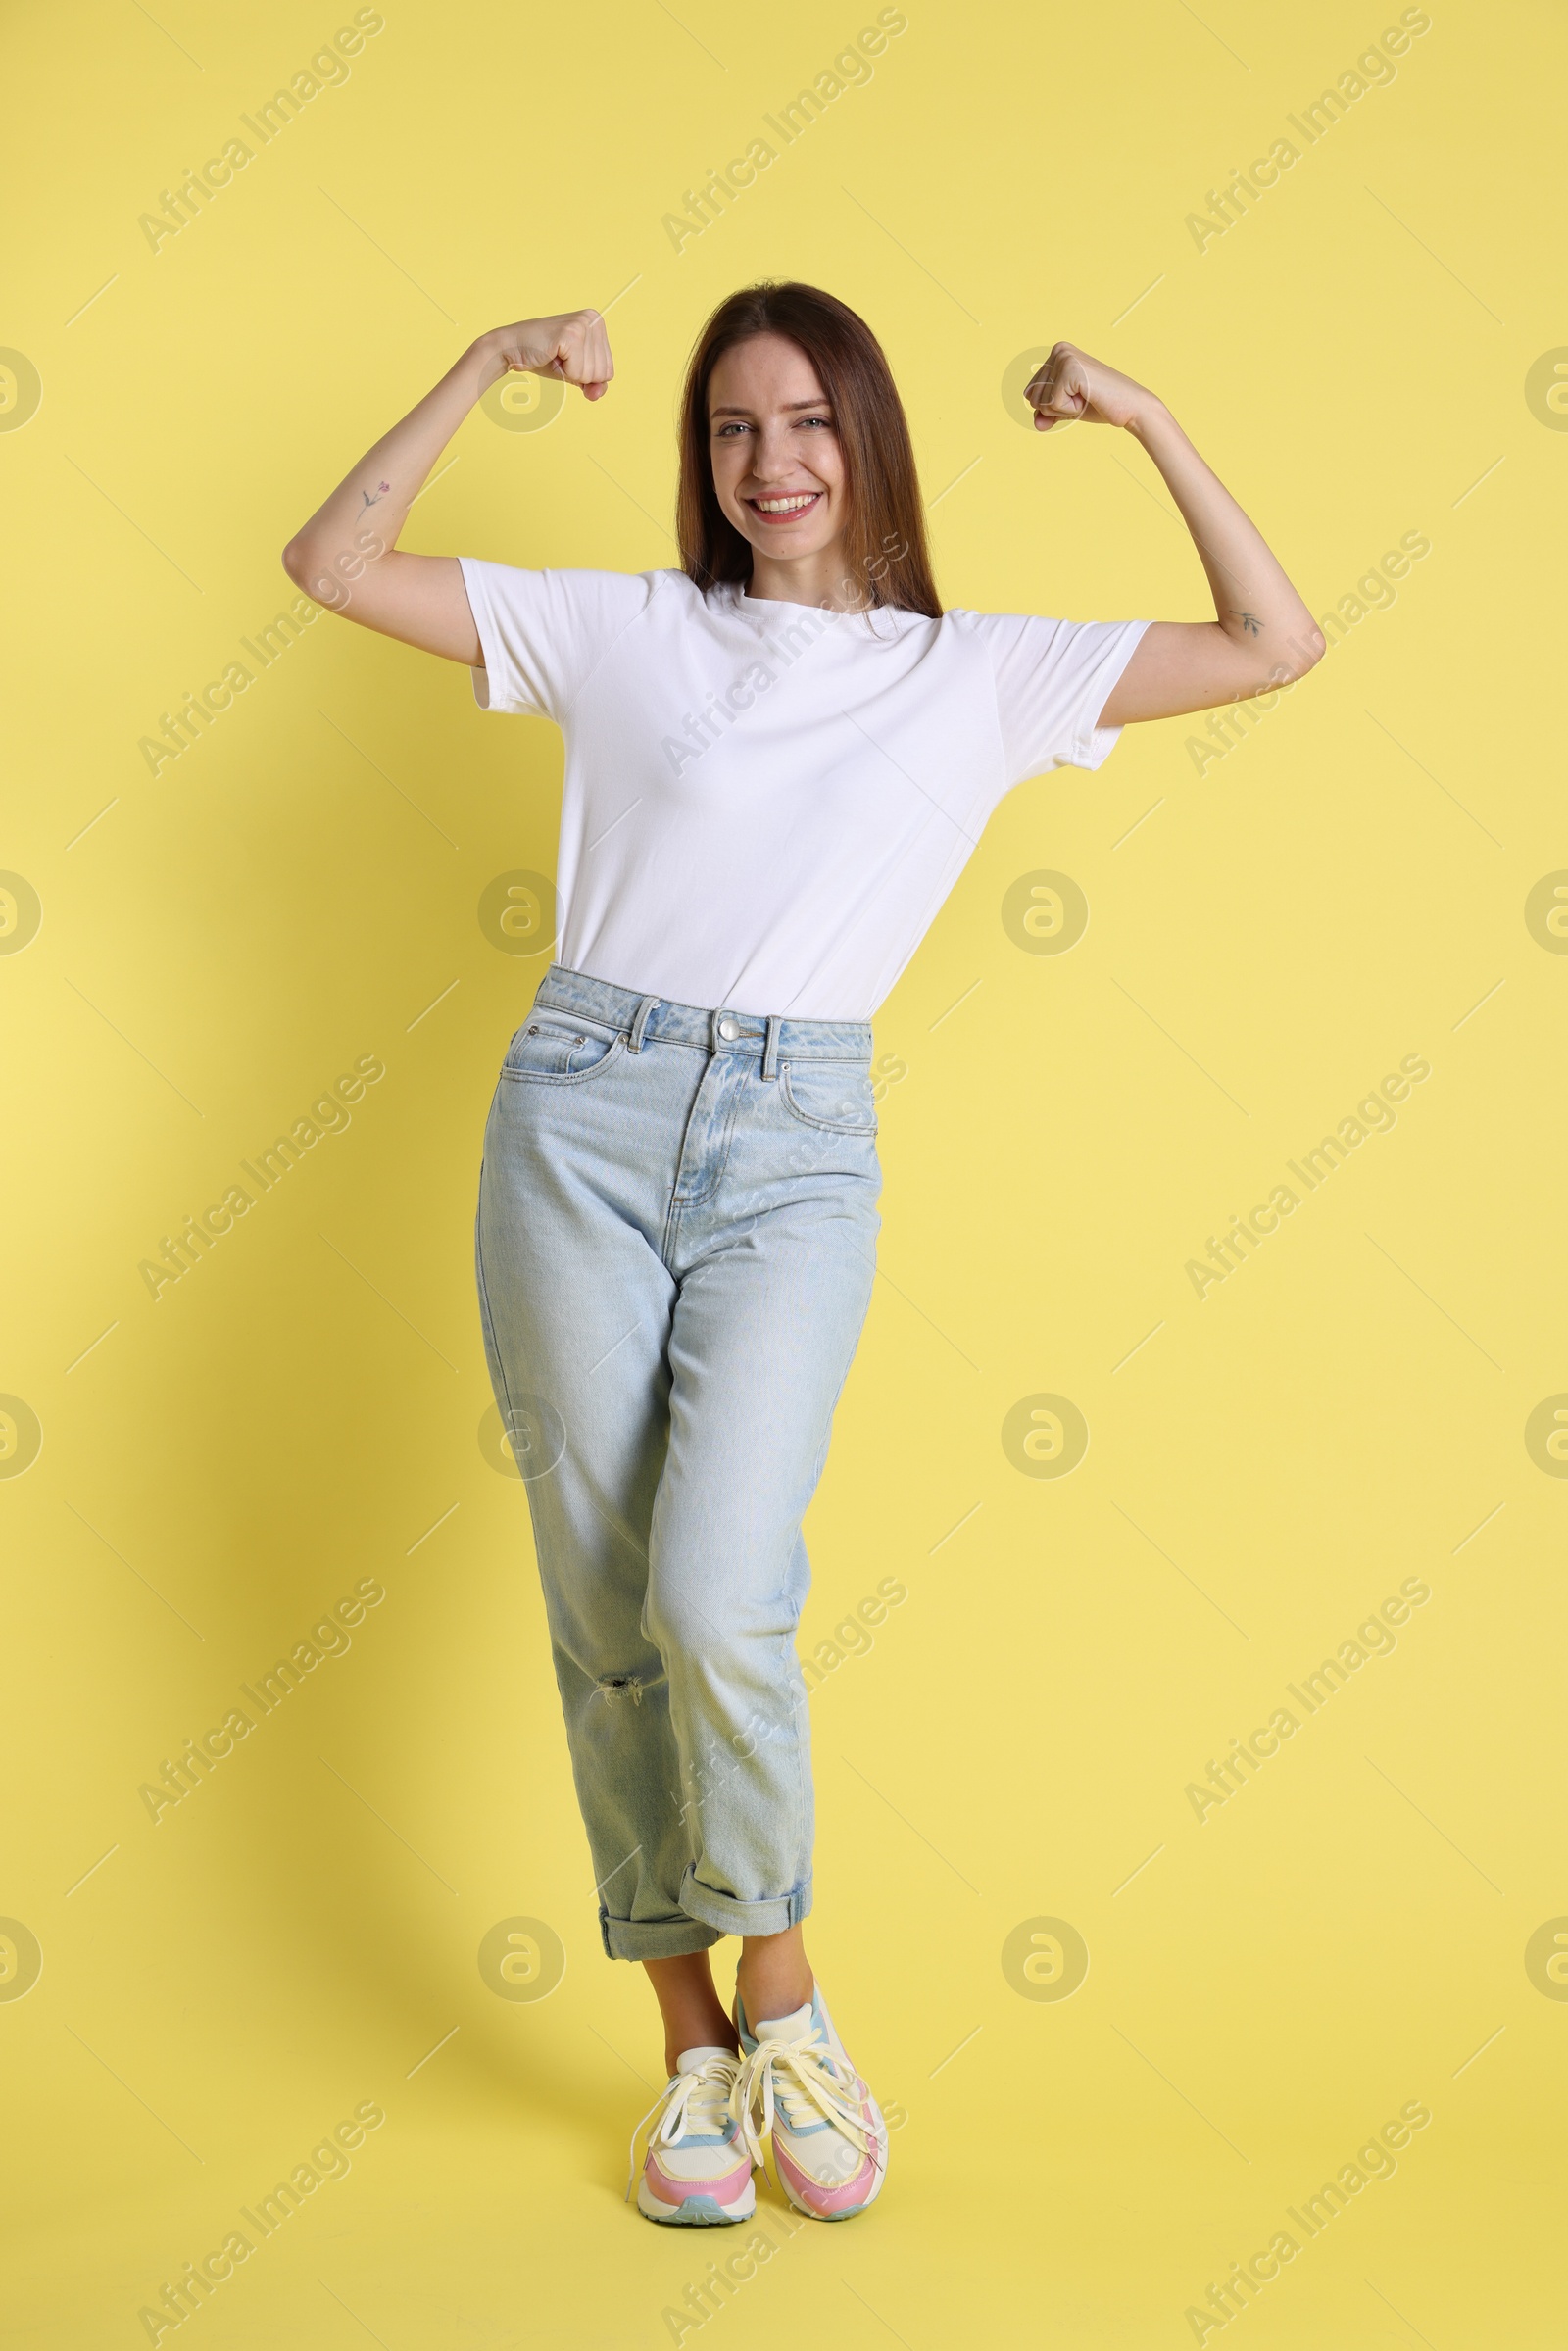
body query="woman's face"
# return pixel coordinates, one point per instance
(777, 464)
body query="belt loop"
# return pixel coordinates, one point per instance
(770, 1050)
(640, 1024)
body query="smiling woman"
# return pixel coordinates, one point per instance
(795, 448)
(779, 758)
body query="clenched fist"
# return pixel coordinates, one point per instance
(574, 348)
(1072, 388)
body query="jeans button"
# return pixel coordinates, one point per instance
(728, 1030)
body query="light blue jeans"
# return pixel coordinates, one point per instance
(675, 1248)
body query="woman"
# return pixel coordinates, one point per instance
(778, 760)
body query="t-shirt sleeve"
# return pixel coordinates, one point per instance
(1052, 679)
(544, 633)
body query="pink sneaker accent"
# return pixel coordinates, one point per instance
(727, 2191)
(810, 2194)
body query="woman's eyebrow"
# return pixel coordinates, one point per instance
(821, 401)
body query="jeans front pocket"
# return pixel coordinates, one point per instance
(561, 1048)
(835, 1096)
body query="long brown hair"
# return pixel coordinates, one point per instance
(884, 534)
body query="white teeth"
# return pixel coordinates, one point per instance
(784, 506)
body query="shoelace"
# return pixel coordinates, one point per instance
(807, 2078)
(704, 2100)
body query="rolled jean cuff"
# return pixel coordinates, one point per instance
(744, 1917)
(654, 1938)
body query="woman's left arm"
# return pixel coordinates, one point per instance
(1262, 634)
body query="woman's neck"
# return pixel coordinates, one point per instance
(822, 578)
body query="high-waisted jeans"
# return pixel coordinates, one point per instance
(675, 1248)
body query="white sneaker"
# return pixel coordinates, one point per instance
(830, 2143)
(697, 2168)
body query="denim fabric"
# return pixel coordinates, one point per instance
(675, 1248)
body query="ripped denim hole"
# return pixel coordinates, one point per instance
(622, 1686)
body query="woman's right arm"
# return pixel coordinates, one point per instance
(347, 555)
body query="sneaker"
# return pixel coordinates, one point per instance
(697, 2168)
(830, 2143)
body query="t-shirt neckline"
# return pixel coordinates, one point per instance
(735, 595)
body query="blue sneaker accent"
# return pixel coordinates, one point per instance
(695, 2211)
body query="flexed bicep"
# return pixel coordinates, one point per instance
(347, 555)
(1262, 635)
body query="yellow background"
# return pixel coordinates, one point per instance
(1342, 890)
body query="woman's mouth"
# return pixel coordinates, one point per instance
(785, 507)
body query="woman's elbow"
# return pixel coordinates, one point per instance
(1304, 652)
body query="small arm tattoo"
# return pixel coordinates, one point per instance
(375, 498)
(1251, 626)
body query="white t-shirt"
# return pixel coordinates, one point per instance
(765, 804)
